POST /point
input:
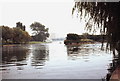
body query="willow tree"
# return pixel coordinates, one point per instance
(104, 16)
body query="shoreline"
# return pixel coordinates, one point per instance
(31, 42)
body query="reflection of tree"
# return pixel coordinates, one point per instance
(82, 52)
(112, 66)
(40, 55)
(75, 52)
(73, 49)
(10, 54)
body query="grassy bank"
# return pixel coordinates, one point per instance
(31, 42)
(37, 42)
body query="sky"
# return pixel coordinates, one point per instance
(54, 14)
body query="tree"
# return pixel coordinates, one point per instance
(26, 37)
(20, 36)
(7, 34)
(107, 18)
(14, 35)
(40, 32)
(72, 36)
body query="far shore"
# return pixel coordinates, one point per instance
(31, 42)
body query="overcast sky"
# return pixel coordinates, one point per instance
(54, 14)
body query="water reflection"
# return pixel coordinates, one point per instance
(81, 52)
(40, 55)
(17, 54)
(54, 61)
(24, 55)
(73, 52)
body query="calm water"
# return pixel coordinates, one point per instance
(54, 61)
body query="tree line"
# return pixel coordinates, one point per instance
(75, 38)
(14, 35)
(97, 38)
(18, 34)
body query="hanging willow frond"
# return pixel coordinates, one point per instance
(107, 17)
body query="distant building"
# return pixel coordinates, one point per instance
(19, 25)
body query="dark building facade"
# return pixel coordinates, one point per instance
(20, 25)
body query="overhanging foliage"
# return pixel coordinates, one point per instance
(106, 16)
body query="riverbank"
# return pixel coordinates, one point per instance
(36, 42)
(116, 75)
(31, 42)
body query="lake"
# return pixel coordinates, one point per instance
(54, 61)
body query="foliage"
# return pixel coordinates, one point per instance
(7, 34)
(102, 15)
(20, 36)
(40, 32)
(97, 38)
(14, 35)
(66, 42)
(85, 37)
(71, 36)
